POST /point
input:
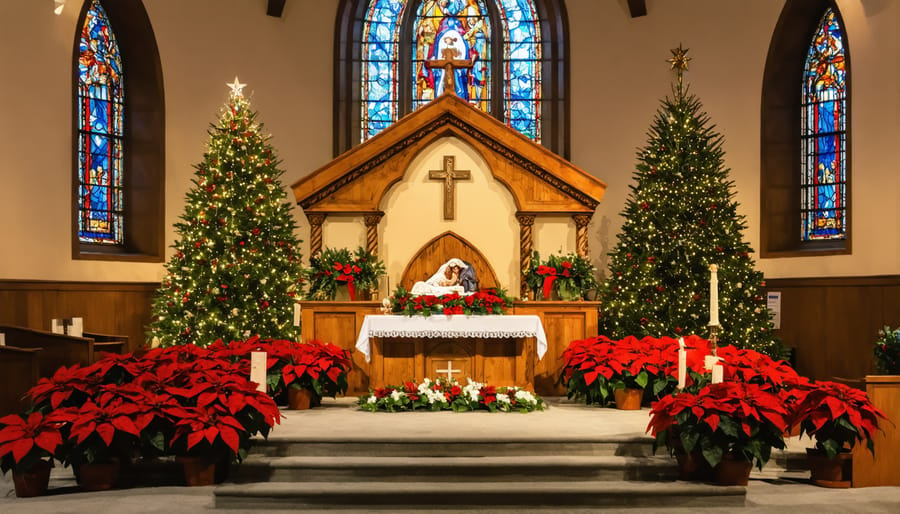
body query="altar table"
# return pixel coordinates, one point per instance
(491, 349)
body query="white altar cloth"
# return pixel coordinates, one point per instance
(441, 325)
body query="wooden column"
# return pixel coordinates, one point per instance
(372, 220)
(315, 232)
(526, 244)
(581, 242)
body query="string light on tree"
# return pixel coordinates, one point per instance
(236, 267)
(680, 218)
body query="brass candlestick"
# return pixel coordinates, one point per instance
(714, 337)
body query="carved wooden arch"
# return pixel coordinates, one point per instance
(439, 250)
(426, 139)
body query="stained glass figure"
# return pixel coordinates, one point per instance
(823, 183)
(100, 131)
(464, 25)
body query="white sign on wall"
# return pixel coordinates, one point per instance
(773, 303)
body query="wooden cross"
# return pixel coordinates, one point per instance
(449, 62)
(449, 371)
(448, 174)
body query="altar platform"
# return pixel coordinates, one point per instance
(321, 459)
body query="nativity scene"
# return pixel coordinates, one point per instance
(401, 270)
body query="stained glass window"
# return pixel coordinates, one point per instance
(466, 27)
(100, 131)
(823, 183)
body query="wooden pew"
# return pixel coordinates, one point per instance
(18, 374)
(58, 349)
(109, 343)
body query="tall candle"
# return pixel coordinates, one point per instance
(258, 370)
(682, 368)
(713, 294)
(717, 373)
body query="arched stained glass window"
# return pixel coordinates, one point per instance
(100, 132)
(501, 37)
(823, 181)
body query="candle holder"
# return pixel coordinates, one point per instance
(714, 337)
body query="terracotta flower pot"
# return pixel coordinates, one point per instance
(34, 481)
(733, 470)
(825, 472)
(628, 399)
(99, 476)
(299, 398)
(198, 471)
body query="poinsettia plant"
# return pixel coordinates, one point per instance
(571, 276)
(331, 267)
(25, 441)
(487, 301)
(444, 394)
(594, 368)
(737, 418)
(836, 416)
(319, 367)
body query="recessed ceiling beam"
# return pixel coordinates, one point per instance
(277, 6)
(637, 7)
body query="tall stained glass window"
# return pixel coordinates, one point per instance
(509, 67)
(100, 131)
(823, 181)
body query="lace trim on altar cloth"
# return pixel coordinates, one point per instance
(452, 333)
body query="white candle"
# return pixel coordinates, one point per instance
(258, 370)
(717, 373)
(682, 368)
(713, 294)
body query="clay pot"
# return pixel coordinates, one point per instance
(733, 470)
(628, 399)
(198, 471)
(299, 398)
(825, 472)
(34, 481)
(98, 476)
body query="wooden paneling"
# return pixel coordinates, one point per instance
(439, 250)
(563, 323)
(107, 307)
(884, 392)
(18, 373)
(833, 322)
(339, 323)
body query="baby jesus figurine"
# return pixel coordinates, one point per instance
(447, 280)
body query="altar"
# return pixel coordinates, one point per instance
(342, 323)
(495, 350)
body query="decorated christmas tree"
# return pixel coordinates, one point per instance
(236, 266)
(680, 218)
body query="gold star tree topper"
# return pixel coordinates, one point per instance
(679, 60)
(237, 89)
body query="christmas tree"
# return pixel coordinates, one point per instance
(236, 266)
(680, 219)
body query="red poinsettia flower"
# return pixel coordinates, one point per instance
(209, 424)
(104, 421)
(61, 386)
(36, 435)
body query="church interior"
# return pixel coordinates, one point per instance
(354, 179)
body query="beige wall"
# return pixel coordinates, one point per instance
(618, 76)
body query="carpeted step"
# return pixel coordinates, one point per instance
(454, 469)
(625, 446)
(399, 495)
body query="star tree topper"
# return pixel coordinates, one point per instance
(679, 61)
(237, 89)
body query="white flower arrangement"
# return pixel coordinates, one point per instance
(443, 394)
